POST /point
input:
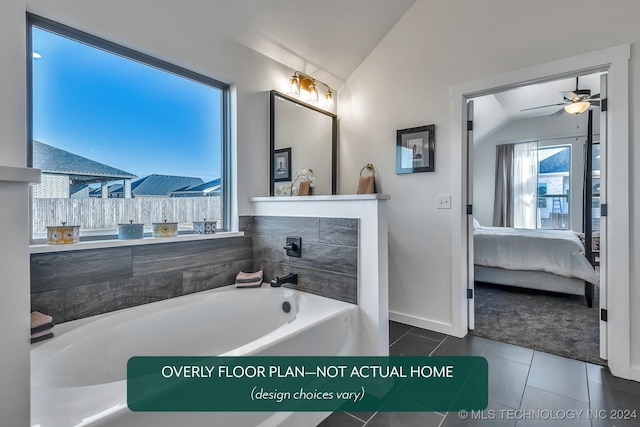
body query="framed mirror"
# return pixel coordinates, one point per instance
(302, 137)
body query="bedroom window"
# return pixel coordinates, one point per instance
(554, 183)
(121, 136)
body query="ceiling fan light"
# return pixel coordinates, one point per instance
(577, 107)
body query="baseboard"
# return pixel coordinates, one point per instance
(419, 322)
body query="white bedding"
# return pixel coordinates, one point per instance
(555, 251)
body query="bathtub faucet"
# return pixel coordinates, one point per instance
(289, 278)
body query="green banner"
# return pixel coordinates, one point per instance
(404, 383)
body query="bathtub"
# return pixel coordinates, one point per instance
(78, 378)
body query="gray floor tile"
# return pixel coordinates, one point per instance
(543, 408)
(510, 352)
(413, 345)
(340, 419)
(490, 417)
(507, 380)
(405, 419)
(467, 346)
(602, 375)
(428, 334)
(364, 416)
(559, 375)
(613, 406)
(396, 330)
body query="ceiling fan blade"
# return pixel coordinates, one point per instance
(570, 95)
(542, 106)
(596, 96)
(595, 103)
(557, 113)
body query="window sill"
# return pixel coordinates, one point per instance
(101, 244)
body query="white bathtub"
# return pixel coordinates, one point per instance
(78, 378)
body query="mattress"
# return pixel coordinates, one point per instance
(558, 252)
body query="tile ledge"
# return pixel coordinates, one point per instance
(19, 174)
(336, 198)
(115, 243)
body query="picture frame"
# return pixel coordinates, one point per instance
(282, 165)
(415, 149)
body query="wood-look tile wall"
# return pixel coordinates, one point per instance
(76, 284)
(329, 262)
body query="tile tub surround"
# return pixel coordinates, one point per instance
(329, 263)
(75, 284)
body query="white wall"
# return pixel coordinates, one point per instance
(141, 26)
(435, 45)
(531, 129)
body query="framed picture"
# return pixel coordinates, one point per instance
(415, 149)
(282, 164)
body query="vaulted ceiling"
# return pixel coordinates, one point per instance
(327, 39)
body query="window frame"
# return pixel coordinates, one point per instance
(133, 55)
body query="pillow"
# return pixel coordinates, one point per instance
(476, 224)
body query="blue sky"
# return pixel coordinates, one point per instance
(122, 113)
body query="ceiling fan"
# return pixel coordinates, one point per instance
(575, 102)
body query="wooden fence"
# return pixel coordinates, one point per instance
(106, 214)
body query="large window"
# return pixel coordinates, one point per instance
(121, 136)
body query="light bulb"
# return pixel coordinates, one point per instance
(328, 100)
(313, 92)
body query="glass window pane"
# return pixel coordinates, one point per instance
(554, 184)
(119, 140)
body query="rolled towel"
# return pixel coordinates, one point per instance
(39, 319)
(255, 284)
(243, 277)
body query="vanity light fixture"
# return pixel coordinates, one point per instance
(294, 85)
(328, 99)
(304, 87)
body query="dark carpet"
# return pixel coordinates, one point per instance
(551, 322)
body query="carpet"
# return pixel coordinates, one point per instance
(546, 321)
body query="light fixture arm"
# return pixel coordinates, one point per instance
(302, 76)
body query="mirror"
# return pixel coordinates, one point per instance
(302, 137)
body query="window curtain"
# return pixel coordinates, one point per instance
(516, 185)
(503, 194)
(525, 185)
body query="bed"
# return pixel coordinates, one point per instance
(549, 260)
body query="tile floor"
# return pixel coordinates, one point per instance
(521, 381)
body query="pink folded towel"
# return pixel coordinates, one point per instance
(243, 277)
(254, 284)
(39, 319)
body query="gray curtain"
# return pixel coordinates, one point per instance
(503, 198)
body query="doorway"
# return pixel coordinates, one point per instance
(533, 294)
(614, 256)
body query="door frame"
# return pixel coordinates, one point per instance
(615, 61)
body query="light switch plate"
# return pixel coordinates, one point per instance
(444, 201)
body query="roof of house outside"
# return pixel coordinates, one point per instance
(559, 162)
(54, 160)
(211, 188)
(163, 185)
